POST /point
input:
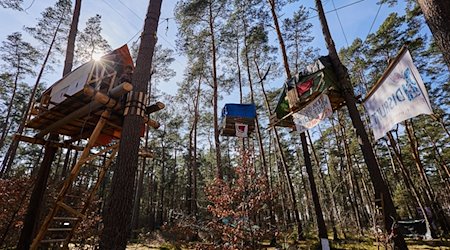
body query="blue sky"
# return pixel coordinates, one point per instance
(122, 20)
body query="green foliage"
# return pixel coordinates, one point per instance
(19, 57)
(297, 34)
(90, 41)
(53, 18)
(13, 4)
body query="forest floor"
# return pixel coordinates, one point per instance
(309, 244)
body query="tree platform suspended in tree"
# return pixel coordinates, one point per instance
(90, 102)
(238, 119)
(318, 78)
(73, 105)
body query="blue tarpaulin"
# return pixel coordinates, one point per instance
(239, 110)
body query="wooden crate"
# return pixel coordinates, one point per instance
(228, 128)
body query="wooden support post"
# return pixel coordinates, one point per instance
(44, 142)
(155, 107)
(152, 123)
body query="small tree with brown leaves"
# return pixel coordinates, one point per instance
(235, 205)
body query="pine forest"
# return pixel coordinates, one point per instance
(225, 124)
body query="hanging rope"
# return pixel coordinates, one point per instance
(340, 23)
(373, 22)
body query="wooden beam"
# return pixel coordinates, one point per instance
(152, 123)
(155, 107)
(72, 116)
(93, 156)
(100, 100)
(44, 142)
(71, 210)
(120, 90)
(146, 153)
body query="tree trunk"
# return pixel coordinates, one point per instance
(65, 164)
(258, 129)
(151, 191)
(191, 166)
(280, 38)
(307, 195)
(36, 198)
(162, 184)
(194, 152)
(138, 195)
(419, 166)
(37, 195)
(315, 196)
(238, 64)
(339, 174)
(6, 126)
(439, 158)
(434, 202)
(327, 192)
(173, 181)
(306, 155)
(283, 162)
(189, 172)
(68, 63)
(139, 189)
(349, 170)
(117, 216)
(219, 173)
(365, 214)
(380, 186)
(437, 14)
(330, 168)
(282, 186)
(409, 183)
(191, 189)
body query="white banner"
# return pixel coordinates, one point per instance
(71, 84)
(241, 130)
(313, 113)
(400, 95)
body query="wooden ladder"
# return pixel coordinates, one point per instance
(71, 203)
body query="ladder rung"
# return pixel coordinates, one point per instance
(74, 196)
(66, 218)
(61, 229)
(95, 166)
(85, 174)
(53, 240)
(70, 210)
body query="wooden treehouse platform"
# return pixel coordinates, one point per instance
(318, 78)
(228, 127)
(88, 103)
(73, 105)
(234, 115)
(77, 116)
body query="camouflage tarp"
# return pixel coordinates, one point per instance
(323, 79)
